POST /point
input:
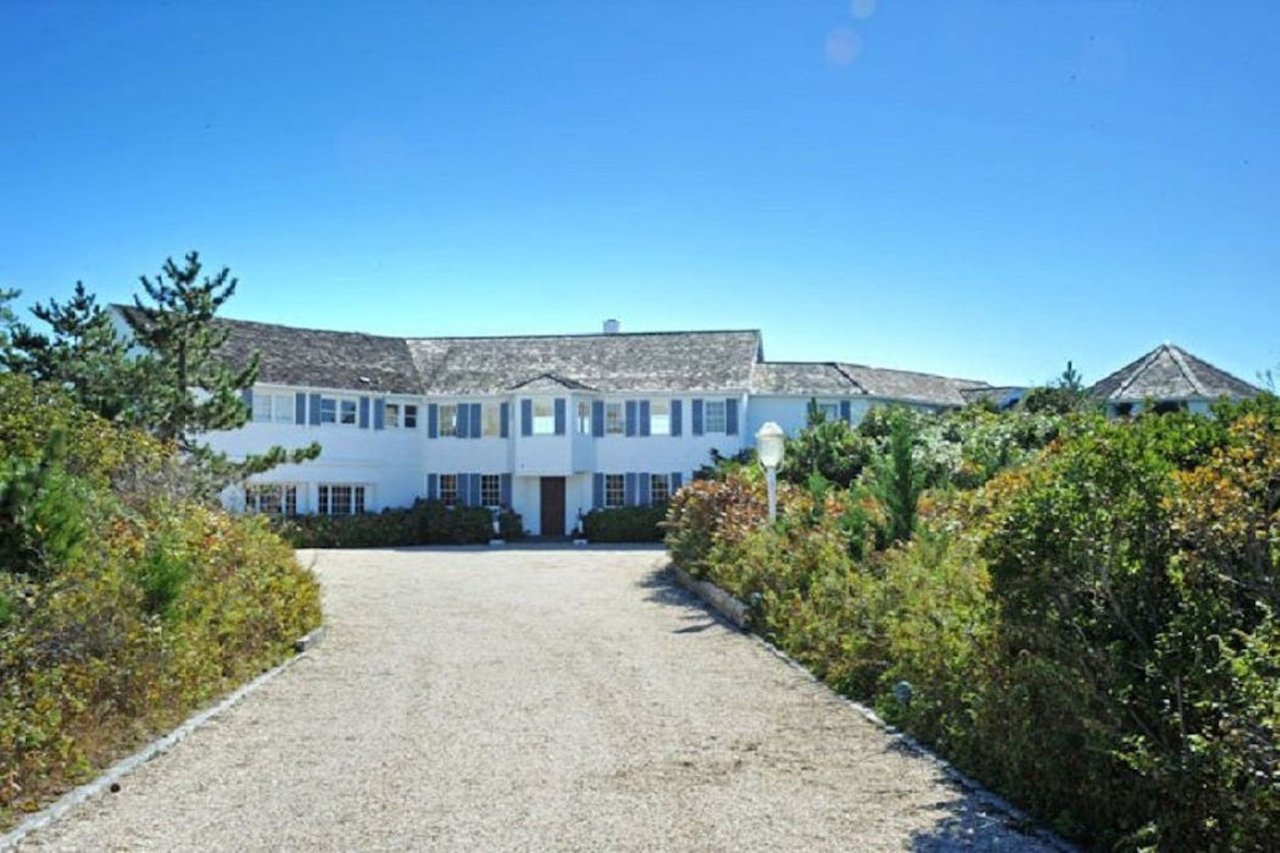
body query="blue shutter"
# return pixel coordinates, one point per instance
(677, 480)
(315, 410)
(629, 488)
(675, 417)
(433, 420)
(504, 419)
(246, 397)
(364, 413)
(506, 490)
(697, 417)
(464, 490)
(846, 413)
(433, 487)
(597, 490)
(731, 416)
(644, 417)
(644, 489)
(299, 408)
(475, 490)
(526, 417)
(597, 419)
(560, 416)
(380, 413)
(632, 427)
(476, 428)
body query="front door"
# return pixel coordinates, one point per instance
(552, 506)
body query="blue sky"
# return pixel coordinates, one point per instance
(981, 189)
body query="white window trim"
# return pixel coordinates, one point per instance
(549, 418)
(440, 494)
(338, 400)
(367, 497)
(621, 408)
(666, 478)
(299, 492)
(622, 490)
(400, 405)
(440, 420)
(497, 480)
(653, 415)
(582, 417)
(493, 408)
(723, 407)
(283, 407)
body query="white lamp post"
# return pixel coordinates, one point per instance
(769, 447)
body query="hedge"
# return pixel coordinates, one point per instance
(625, 523)
(425, 523)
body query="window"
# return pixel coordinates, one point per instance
(449, 489)
(584, 417)
(273, 408)
(490, 490)
(397, 415)
(338, 410)
(830, 411)
(659, 488)
(660, 417)
(615, 490)
(271, 499)
(448, 419)
(614, 421)
(335, 499)
(492, 419)
(713, 416)
(1168, 407)
(544, 417)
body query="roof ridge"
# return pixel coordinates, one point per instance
(1179, 358)
(856, 384)
(581, 335)
(843, 364)
(1143, 363)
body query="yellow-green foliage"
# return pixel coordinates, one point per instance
(164, 605)
(1091, 628)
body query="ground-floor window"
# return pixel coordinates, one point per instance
(615, 490)
(659, 488)
(449, 489)
(271, 499)
(340, 499)
(490, 490)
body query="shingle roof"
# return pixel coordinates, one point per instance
(908, 385)
(837, 378)
(801, 377)
(1169, 372)
(647, 361)
(320, 359)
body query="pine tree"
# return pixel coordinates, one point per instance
(190, 390)
(84, 353)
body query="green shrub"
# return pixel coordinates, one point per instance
(122, 607)
(1090, 628)
(625, 524)
(425, 523)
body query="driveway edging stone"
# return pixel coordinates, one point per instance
(738, 614)
(112, 775)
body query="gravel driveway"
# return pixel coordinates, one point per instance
(531, 699)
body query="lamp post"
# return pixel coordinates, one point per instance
(769, 447)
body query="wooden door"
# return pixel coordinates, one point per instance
(552, 504)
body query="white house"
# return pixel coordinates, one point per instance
(551, 426)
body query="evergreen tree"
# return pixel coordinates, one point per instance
(899, 478)
(190, 390)
(83, 353)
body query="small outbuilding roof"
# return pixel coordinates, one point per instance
(1169, 372)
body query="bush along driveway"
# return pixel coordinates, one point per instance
(533, 699)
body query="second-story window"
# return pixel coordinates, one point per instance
(273, 408)
(347, 412)
(615, 422)
(391, 415)
(584, 417)
(410, 416)
(713, 416)
(448, 419)
(492, 420)
(544, 417)
(660, 417)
